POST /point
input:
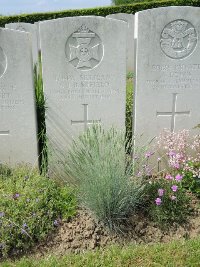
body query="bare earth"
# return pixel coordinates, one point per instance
(84, 233)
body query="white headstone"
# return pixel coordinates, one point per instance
(130, 56)
(167, 89)
(84, 75)
(18, 138)
(33, 30)
(38, 36)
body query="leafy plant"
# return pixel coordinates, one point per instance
(31, 206)
(129, 75)
(181, 153)
(97, 164)
(168, 200)
(192, 178)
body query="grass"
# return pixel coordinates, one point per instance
(174, 254)
(129, 108)
(40, 108)
(31, 206)
(97, 164)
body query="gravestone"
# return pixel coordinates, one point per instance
(38, 36)
(33, 30)
(84, 75)
(130, 56)
(167, 85)
(18, 139)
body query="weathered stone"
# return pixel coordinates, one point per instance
(130, 49)
(33, 30)
(167, 85)
(18, 138)
(84, 75)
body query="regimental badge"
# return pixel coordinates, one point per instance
(178, 39)
(84, 49)
(3, 62)
(20, 28)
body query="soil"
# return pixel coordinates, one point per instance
(83, 233)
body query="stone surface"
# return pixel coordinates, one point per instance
(84, 74)
(33, 30)
(130, 56)
(38, 36)
(167, 85)
(18, 139)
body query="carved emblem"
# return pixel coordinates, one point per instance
(84, 49)
(178, 39)
(20, 28)
(3, 62)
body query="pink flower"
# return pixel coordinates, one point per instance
(169, 177)
(158, 201)
(173, 198)
(174, 188)
(179, 177)
(148, 154)
(172, 154)
(176, 165)
(161, 192)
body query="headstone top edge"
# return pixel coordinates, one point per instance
(21, 23)
(157, 9)
(14, 31)
(75, 18)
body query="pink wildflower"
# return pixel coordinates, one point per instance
(172, 154)
(161, 192)
(158, 201)
(174, 188)
(179, 177)
(148, 154)
(169, 177)
(176, 165)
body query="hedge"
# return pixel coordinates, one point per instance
(101, 11)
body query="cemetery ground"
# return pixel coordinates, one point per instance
(109, 219)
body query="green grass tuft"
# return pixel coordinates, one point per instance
(98, 165)
(174, 254)
(40, 108)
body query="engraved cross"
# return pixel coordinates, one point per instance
(85, 121)
(4, 132)
(173, 113)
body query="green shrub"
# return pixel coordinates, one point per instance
(181, 152)
(124, 2)
(192, 178)
(31, 206)
(97, 164)
(168, 202)
(101, 11)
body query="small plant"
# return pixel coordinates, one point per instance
(97, 163)
(31, 206)
(181, 152)
(129, 110)
(40, 107)
(169, 202)
(129, 75)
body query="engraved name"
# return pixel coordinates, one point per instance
(84, 87)
(179, 76)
